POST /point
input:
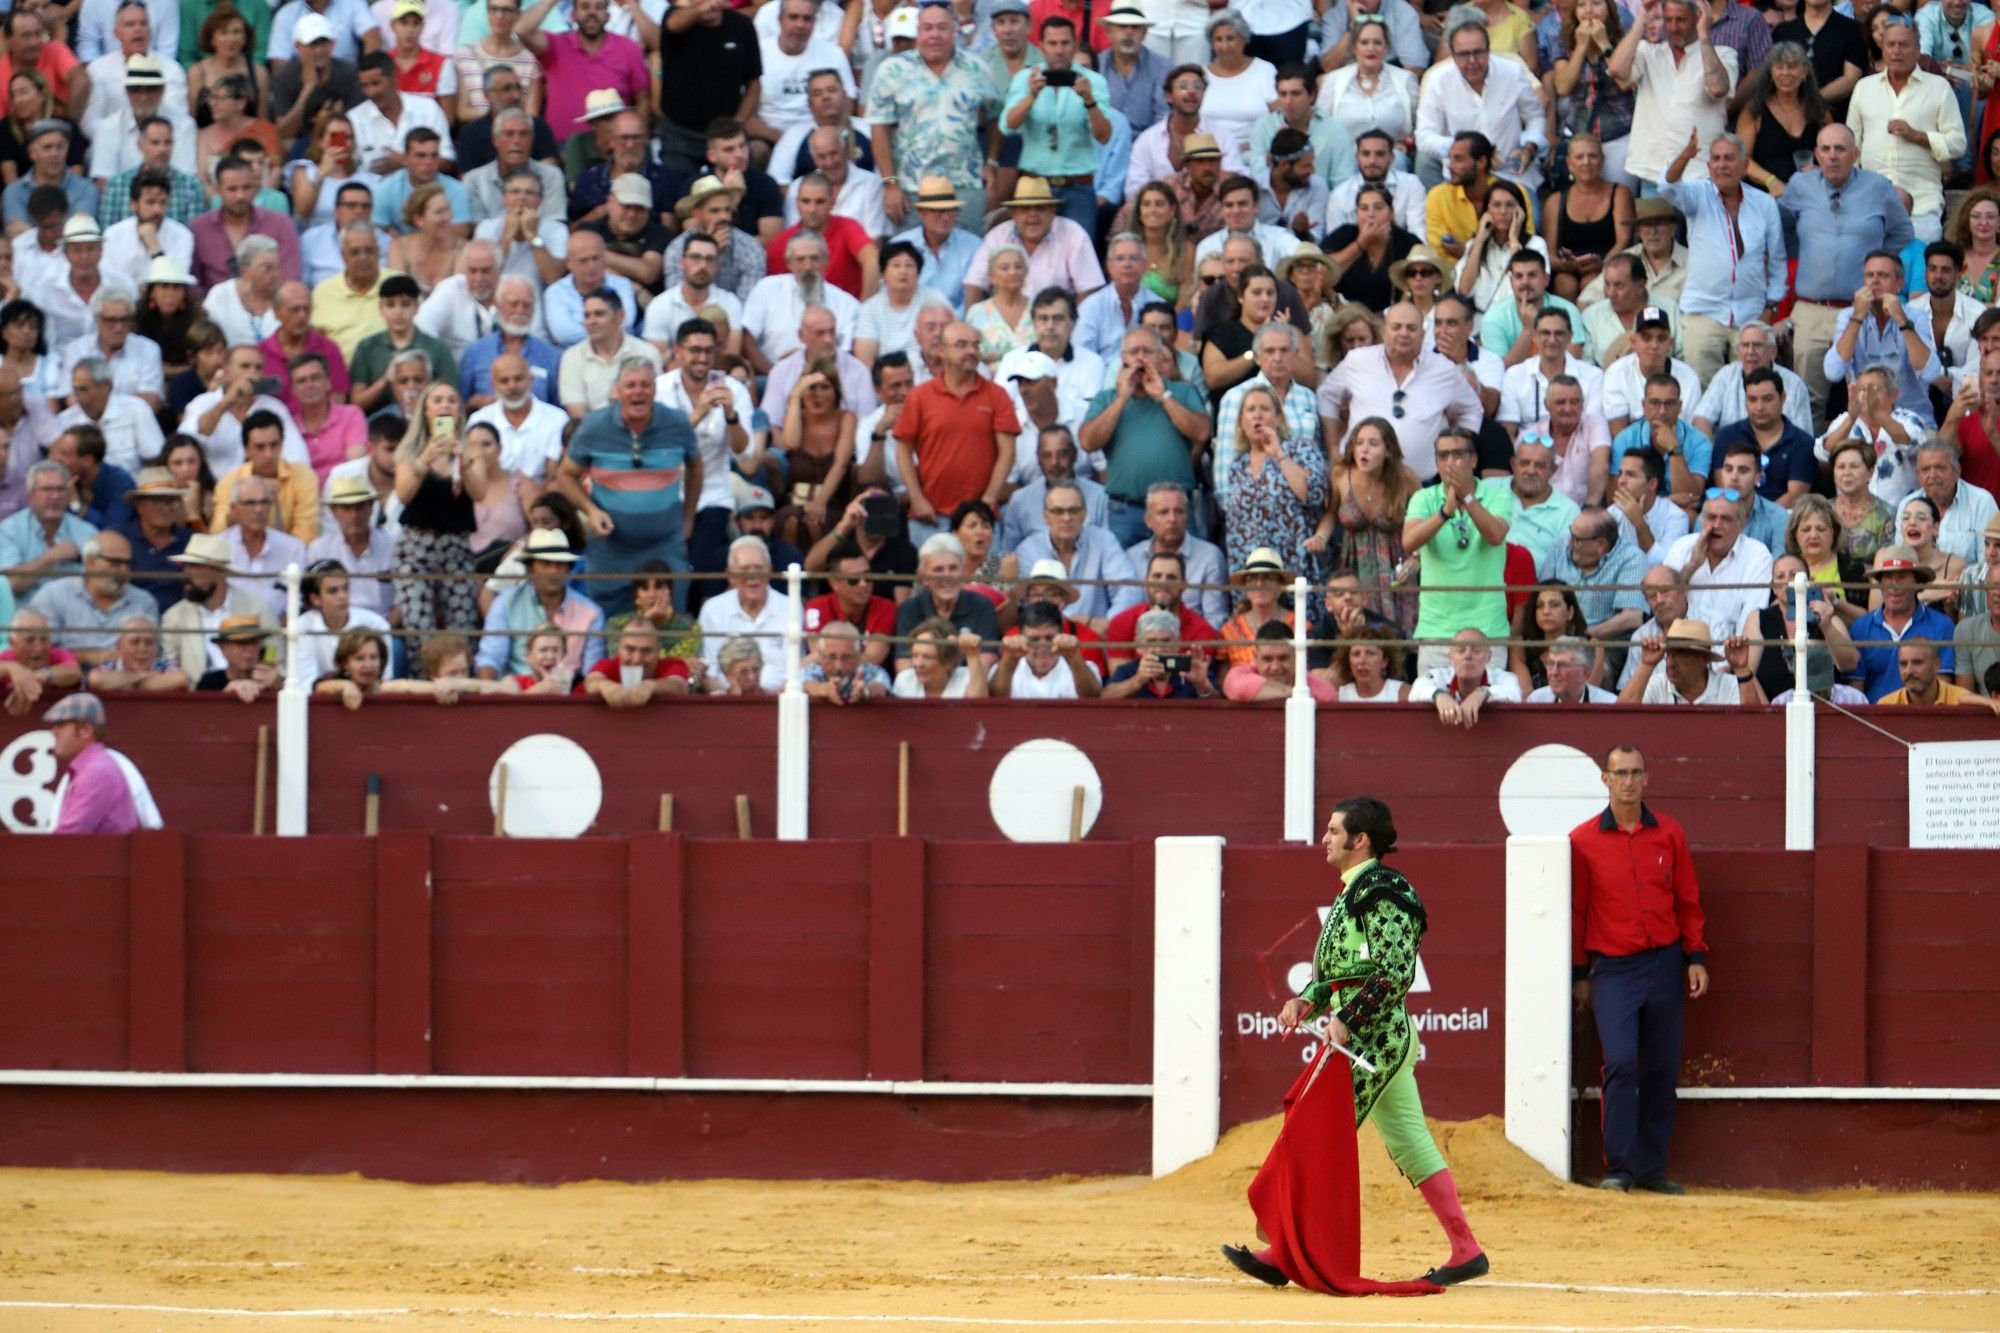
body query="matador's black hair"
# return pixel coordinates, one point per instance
(1365, 814)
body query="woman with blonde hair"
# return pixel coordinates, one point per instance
(1587, 222)
(438, 482)
(1350, 328)
(1277, 482)
(430, 250)
(1363, 527)
(29, 100)
(1812, 534)
(1003, 320)
(818, 439)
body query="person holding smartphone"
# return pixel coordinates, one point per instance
(1059, 112)
(438, 484)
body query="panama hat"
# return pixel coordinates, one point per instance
(1900, 560)
(1199, 146)
(143, 71)
(1128, 14)
(548, 544)
(602, 102)
(1051, 572)
(699, 192)
(167, 271)
(935, 192)
(1032, 192)
(1686, 635)
(82, 229)
(1305, 253)
(351, 490)
(155, 483)
(1263, 560)
(242, 629)
(204, 548)
(1421, 255)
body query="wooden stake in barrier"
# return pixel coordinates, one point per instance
(903, 789)
(666, 812)
(500, 805)
(263, 778)
(743, 816)
(371, 819)
(1076, 814)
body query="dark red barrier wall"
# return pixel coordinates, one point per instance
(1166, 768)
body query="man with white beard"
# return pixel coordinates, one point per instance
(771, 315)
(517, 305)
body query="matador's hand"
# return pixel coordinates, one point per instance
(1293, 1014)
(1336, 1031)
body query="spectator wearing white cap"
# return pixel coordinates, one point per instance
(131, 35)
(350, 24)
(307, 75)
(139, 131)
(68, 303)
(48, 164)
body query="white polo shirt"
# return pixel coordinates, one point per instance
(1723, 608)
(533, 447)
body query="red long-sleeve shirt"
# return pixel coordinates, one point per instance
(1632, 890)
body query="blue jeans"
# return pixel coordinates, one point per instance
(1638, 1002)
(1078, 203)
(920, 531)
(1128, 523)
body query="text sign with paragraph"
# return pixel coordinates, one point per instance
(1955, 794)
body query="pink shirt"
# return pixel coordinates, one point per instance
(1572, 475)
(345, 429)
(274, 366)
(574, 74)
(215, 253)
(1243, 682)
(1066, 258)
(98, 800)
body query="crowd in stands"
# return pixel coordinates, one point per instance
(1549, 346)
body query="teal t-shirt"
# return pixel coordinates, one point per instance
(1055, 138)
(1447, 564)
(1146, 448)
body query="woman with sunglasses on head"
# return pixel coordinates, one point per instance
(1917, 528)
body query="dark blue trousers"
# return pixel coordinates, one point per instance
(1638, 1002)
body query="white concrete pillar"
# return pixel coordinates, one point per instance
(1538, 1000)
(1187, 1000)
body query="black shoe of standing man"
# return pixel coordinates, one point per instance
(1659, 1185)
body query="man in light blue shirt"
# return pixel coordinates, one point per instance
(1944, 33)
(947, 250)
(1086, 553)
(562, 303)
(426, 167)
(1114, 160)
(1834, 216)
(1685, 449)
(1875, 330)
(1058, 111)
(1055, 454)
(1736, 253)
(1112, 311)
(1332, 146)
(1595, 556)
(1542, 514)
(43, 540)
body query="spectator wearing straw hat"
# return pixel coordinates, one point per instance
(543, 598)
(1897, 574)
(208, 597)
(1688, 649)
(244, 672)
(97, 796)
(710, 209)
(158, 532)
(67, 301)
(1160, 152)
(362, 546)
(1060, 253)
(945, 248)
(1134, 74)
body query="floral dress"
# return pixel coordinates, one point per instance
(996, 336)
(1375, 552)
(1263, 511)
(1860, 541)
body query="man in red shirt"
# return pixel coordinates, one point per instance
(851, 260)
(853, 600)
(954, 437)
(1166, 579)
(638, 672)
(1637, 949)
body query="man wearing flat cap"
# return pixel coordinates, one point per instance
(95, 796)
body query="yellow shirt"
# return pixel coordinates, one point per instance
(1447, 212)
(1948, 693)
(345, 315)
(298, 499)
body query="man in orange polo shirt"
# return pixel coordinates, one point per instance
(954, 437)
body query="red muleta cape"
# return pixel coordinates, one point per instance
(1307, 1195)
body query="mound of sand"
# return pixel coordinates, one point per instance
(1486, 1166)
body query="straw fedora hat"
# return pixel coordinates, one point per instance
(1263, 560)
(1306, 252)
(602, 102)
(700, 191)
(1686, 635)
(242, 629)
(548, 544)
(1900, 560)
(155, 483)
(1052, 572)
(204, 548)
(1421, 255)
(351, 489)
(937, 193)
(1032, 192)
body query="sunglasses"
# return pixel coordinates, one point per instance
(1396, 406)
(1729, 493)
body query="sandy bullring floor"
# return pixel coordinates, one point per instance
(128, 1251)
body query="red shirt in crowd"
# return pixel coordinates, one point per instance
(1632, 890)
(1979, 460)
(610, 668)
(845, 240)
(421, 77)
(879, 617)
(952, 436)
(1124, 628)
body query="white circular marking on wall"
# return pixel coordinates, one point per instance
(553, 788)
(1033, 786)
(1549, 790)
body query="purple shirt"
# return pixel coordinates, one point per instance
(573, 74)
(98, 799)
(215, 253)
